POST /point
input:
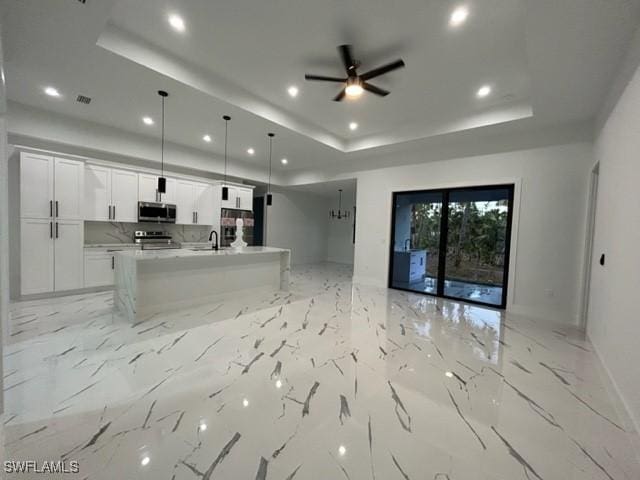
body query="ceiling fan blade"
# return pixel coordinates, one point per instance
(347, 59)
(373, 89)
(340, 96)
(376, 72)
(324, 78)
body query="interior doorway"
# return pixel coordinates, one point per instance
(588, 248)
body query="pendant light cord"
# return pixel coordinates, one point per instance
(270, 151)
(226, 134)
(162, 149)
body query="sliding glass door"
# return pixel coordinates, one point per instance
(453, 243)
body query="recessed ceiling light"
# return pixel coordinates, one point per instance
(177, 22)
(459, 16)
(484, 91)
(202, 427)
(293, 91)
(245, 402)
(145, 461)
(284, 161)
(449, 374)
(250, 151)
(207, 138)
(52, 92)
(147, 120)
(342, 450)
(353, 126)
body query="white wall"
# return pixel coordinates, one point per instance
(340, 247)
(298, 220)
(4, 227)
(549, 219)
(613, 323)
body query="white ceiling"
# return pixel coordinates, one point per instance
(550, 63)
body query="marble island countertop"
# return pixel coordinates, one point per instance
(137, 245)
(197, 251)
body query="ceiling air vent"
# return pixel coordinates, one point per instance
(82, 1)
(82, 98)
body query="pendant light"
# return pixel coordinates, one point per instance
(225, 189)
(269, 196)
(340, 214)
(162, 182)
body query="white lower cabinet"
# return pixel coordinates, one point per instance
(51, 255)
(68, 261)
(36, 256)
(98, 269)
(99, 266)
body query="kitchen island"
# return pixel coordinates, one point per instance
(152, 281)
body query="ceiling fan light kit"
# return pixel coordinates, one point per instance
(354, 84)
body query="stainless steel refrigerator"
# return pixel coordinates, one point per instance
(228, 226)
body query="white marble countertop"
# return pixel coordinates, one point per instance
(188, 252)
(137, 245)
(110, 245)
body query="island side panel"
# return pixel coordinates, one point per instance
(285, 270)
(180, 282)
(124, 295)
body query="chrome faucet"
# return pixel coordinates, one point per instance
(214, 246)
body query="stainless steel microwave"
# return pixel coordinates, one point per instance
(156, 212)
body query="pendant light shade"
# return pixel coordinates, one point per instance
(269, 195)
(162, 182)
(225, 189)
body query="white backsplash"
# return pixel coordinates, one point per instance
(117, 232)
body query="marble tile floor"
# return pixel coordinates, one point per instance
(328, 381)
(460, 290)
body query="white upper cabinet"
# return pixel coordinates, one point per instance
(245, 198)
(36, 186)
(232, 199)
(50, 187)
(240, 198)
(195, 203)
(148, 184)
(69, 187)
(97, 197)
(124, 196)
(110, 194)
(204, 204)
(185, 203)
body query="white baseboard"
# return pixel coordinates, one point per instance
(624, 412)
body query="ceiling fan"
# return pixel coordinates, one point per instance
(354, 84)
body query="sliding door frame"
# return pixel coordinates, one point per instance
(442, 254)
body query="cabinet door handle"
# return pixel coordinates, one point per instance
(56, 229)
(113, 262)
(57, 208)
(109, 207)
(51, 208)
(196, 217)
(114, 212)
(50, 229)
